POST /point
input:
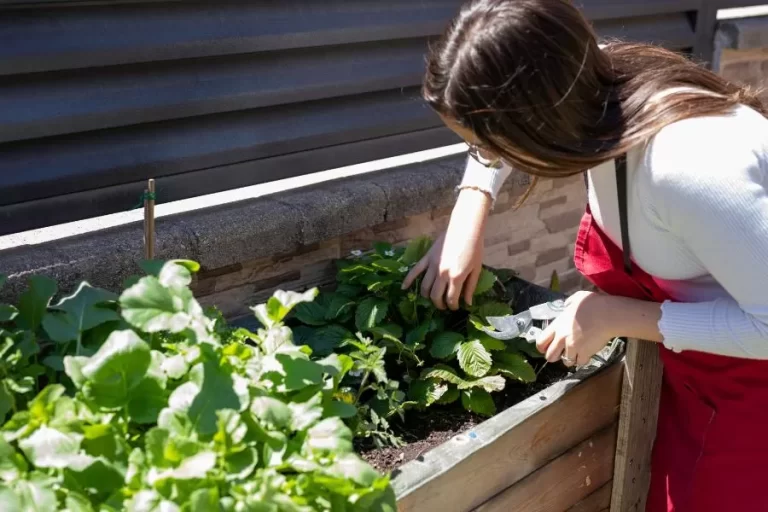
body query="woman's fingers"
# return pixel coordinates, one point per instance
(545, 339)
(470, 285)
(453, 295)
(415, 272)
(438, 292)
(555, 350)
(428, 281)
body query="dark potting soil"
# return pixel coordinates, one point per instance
(424, 430)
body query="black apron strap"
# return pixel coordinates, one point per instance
(621, 185)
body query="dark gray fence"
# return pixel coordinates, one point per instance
(96, 97)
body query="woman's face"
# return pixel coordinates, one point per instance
(476, 149)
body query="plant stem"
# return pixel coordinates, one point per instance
(363, 383)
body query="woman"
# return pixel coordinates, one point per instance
(675, 233)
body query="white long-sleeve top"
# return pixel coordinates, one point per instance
(698, 223)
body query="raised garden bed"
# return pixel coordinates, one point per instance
(143, 401)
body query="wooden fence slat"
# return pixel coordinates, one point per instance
(598, 501)
(563, 482)
(637, 426)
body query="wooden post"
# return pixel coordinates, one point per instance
(149, 220)
(640, 390)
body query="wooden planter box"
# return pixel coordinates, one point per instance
(559, 450)
(552, 452)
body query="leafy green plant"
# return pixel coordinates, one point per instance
(146, 402)
(437, 357)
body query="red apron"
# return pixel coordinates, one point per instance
(711, 447)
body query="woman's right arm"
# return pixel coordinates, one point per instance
(452, 266)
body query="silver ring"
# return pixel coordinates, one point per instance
(567, 359)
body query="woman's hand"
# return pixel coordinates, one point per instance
(452, 266)
(581, 331)
(591, 320)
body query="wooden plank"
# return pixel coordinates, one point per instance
(598, 501)
(637, 426)
(563, 482)
(459, 482)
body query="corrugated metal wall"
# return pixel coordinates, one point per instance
(210, 96)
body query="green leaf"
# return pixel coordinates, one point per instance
(513, 366)
(474, 358)
(306, 414)
(418, 334)
(50, 448)
(147, 400)
(151, 307)
(177, 273)
(351, 467)
(445, 344)
(12, 463)
(338, 306)
(340, 409)
(330, 435)
(204, 500)
(348, 290)
(210, 388)
(489, 383)
(391, 331)
(34, 302)
(443, 372)
(95, 473)
(282, 302)
(7, 401)
(311, 313)
(8, 312)
(483, 311)
(370, 313)
(326, 339)
(118, 366)
(79, 312)
(297, 372)
(416, 250)
(450, 396)
(382, 248)
(33, 495)
(407, 309)
(485, 283)
(479, 401)
(490, 343)
(388, 265)
(427, 391)
(272, 411)
(77, 503)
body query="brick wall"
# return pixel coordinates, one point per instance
(748, 67)
(535, 240)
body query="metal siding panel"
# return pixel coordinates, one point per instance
(62, 165)
(64, 208)
(38, 40)
(46, 104)
(207, 97)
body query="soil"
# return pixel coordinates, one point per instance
(424, 430)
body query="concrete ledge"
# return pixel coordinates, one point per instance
(246, 230)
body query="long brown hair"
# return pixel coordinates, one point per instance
(528, 78)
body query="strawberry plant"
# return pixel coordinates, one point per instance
(405, 352)
(145, 402)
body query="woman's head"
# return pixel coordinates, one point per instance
(525, 80)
